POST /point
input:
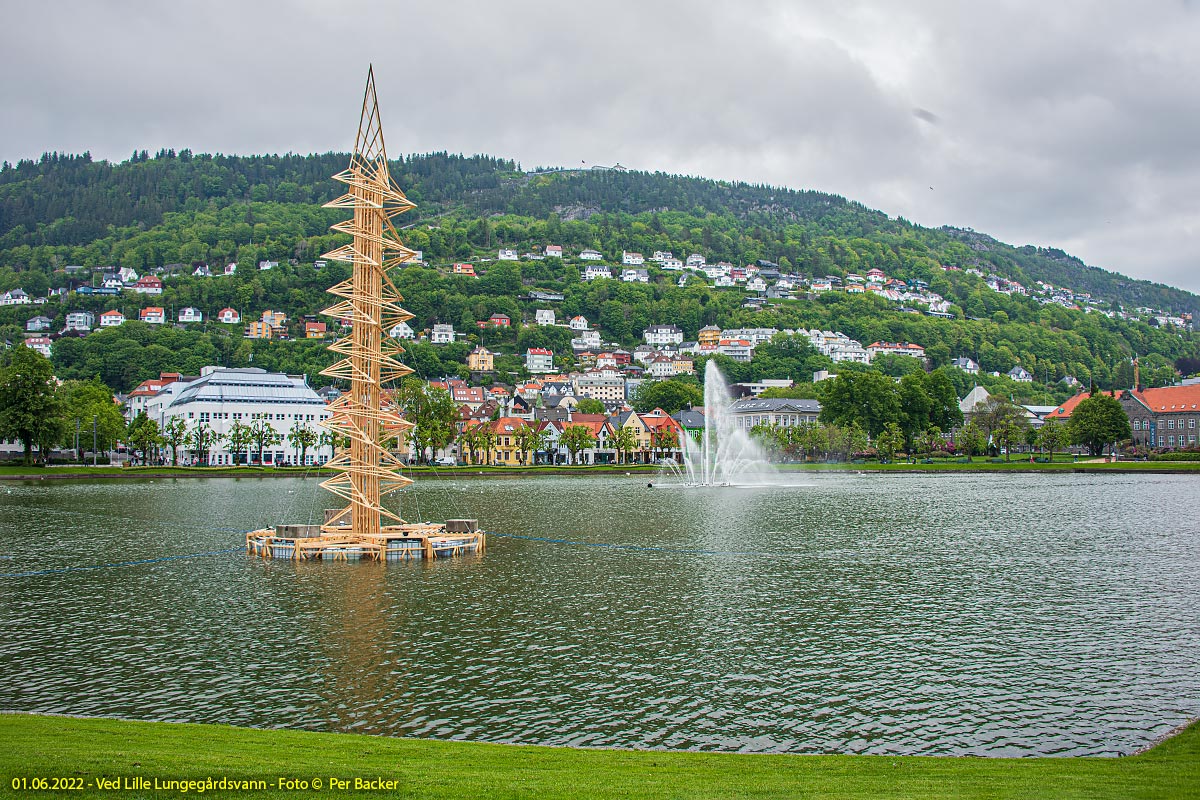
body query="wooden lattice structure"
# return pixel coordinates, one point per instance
(367, 470)
(370, 302)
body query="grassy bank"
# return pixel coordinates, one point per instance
(87, 749)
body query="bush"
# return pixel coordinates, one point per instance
(1177, 455)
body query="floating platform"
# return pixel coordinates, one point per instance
(409, 542)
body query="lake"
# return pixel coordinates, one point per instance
(1001, 615)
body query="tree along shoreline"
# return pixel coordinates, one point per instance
(983, 466)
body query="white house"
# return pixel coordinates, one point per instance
(220, 397)
(591, 255)
(268, 264)
(229, 316)
(662, 255)
(507, 255)
(672, 264)
(80, 321)
(16, 297)
(695, 260)
(111, 319)
(544, 316)
(1020, 374)
(39, 343)
(554, 251)
(635, 276)
(659, 335)
(896, 349)
(967, 365)
(595, 271)
(539, 359)
(737, 349)
(153, 315)
(231, 268)
(756, 284)
(632, 259)
(402, 330)
(202, 271)
(579, 323)
(587, 340)
(442, 334)
(661, 367)
(191, 314)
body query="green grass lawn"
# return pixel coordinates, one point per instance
(88, 749)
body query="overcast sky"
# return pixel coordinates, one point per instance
(1069, 124)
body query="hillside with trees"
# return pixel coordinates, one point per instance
(174, 211)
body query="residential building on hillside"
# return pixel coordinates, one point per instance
(153, 315)
(80, 321)
(402, 330)
(543, 316)
(481, 360)
(659, 335)
(635, 276)
(1020, 374)
(506, 254)
(579, 323)
(40, 343)
(191, 314)
(632, 259)
(539, 360)
(554, 251)
(148, 284)
(229, 316)
(463, 269)
(594, 271)
(38, 323)
(15, 297)
(315, 330)
(442, 333)
(111, 319)
(600, 387)
(967, 365)
(896, 349)
(591, 255)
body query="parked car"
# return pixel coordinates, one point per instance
(445, 462)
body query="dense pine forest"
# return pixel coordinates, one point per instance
(179, 210)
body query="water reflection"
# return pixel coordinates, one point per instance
(883, 614)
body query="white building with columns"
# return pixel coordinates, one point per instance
(221, 397)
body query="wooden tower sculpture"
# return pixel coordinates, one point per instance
(371, 304)
(366, 470)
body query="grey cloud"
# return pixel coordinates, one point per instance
(1069, 124)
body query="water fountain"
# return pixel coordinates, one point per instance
(725, 454)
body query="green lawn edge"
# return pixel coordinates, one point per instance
(39, 746)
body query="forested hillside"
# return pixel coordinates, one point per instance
(55, 210)
(179, 210)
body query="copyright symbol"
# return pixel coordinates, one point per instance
(316, 783)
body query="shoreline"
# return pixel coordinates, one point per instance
(60, 473)
(87, 749)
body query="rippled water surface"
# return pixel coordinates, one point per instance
(944, 614)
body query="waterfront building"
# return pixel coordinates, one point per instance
(220, 397)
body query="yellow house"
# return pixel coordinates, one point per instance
(710, 334)
(481, 360)
(258, 330)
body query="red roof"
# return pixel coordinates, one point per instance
(1171, 398)
(1068, 406)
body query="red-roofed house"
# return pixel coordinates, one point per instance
(1168, 417)
(153, 315)
(314, 330)
(896, 349)
(148, 284)
(229, 316)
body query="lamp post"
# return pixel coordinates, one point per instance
(94, 417)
